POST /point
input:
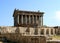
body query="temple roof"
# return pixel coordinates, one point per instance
(16, 11)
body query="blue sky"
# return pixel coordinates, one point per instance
(51, 8)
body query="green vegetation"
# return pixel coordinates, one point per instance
(56, 37)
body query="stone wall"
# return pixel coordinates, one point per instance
(53, 41)
(47, 31)
(17, 38)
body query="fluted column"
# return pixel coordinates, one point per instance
(33, 19)
(39, 31)
(44, 31)
(41, 21)
(49, 31)
(18, 19)
(53, 31)
(22, 19)
(26, 19)
(29, 19)
(36, 19)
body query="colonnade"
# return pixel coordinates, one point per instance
(30, 19)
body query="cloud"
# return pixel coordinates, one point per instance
(57, 15)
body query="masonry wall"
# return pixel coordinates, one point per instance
(29, 31)
(17, 38)
(53, 41)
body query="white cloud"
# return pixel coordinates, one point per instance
(57, 15)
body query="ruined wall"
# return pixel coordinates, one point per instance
(53, 41)
(28, 31)
(17, 38)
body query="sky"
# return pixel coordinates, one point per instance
(51, 9)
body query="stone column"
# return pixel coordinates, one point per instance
(36, 19)
(18, 19)
(22, 19)
(33, 18)
(39, 31)
(45, 31)
(41, 20)
(29, 19)
(50, 31)
(53, 31)
(26, 18)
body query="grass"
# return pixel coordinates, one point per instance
(56, 37)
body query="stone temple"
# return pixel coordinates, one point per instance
(29, 24)
(25, 18)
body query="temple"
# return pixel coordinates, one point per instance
(25, 18)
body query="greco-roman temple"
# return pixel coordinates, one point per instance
(32, 19)
(25, 18)
(29, 22)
